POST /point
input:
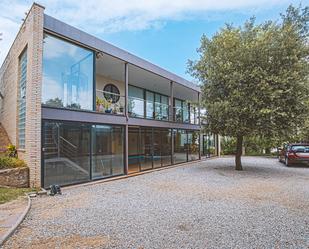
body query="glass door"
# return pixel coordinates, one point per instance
(133, 150)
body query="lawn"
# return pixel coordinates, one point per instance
(9, 194)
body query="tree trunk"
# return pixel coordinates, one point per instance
(238, 153)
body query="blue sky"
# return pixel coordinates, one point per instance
(164, 33)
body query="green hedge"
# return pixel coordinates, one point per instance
(11, 162)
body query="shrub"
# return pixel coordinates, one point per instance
(11, 162)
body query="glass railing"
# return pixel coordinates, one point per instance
(112, 103)
(107, 102)
(141, 108)
(184, 115)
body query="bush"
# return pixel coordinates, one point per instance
(11, 162)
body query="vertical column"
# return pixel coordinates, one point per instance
(171, 117)
(171, 102)
(172, 145)
(126, 82)
(126, 136)
(199, 107)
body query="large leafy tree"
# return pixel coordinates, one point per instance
(255, 77)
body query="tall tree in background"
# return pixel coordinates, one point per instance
(255, 78)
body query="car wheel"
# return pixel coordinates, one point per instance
(287, 162)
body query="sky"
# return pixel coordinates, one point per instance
(166, 33)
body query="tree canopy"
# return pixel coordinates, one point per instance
(254, 78)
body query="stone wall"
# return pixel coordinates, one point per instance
(17, 177)
(30, 37)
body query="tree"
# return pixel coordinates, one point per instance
(254, 78)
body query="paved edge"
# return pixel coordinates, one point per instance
(18, 222)
(111, 179)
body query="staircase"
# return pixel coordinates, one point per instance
(59, 150)
(4, 139)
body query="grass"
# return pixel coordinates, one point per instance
(9, 194)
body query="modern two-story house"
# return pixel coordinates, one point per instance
(80, 109)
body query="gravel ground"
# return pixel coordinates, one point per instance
(202, 205)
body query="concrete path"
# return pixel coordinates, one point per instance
(11, 214)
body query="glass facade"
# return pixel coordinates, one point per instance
(149, 148)
(66, 153)
(67, 157)
(185, 112)
(67, 75)
(78, 152)
(107, 151)
(147, 104)
(136, 102)
(22, 99)
(208, 145)
(180, 146)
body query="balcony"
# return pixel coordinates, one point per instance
(110, 103)
(186, 115)
(140, 108)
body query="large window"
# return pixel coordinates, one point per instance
(193, 145)
(147, 104)
(22, 99)
(149, 148)
(185, 112)
(180, 146)
(67, 75)
(66, 153)
(108, 151)
(136, 102)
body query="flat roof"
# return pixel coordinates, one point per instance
(56, 26)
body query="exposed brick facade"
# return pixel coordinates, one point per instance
(30, 36)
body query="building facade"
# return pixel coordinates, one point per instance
(80, 109)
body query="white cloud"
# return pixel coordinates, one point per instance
(116, 15)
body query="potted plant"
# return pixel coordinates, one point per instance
(99, 104)
(107, 105)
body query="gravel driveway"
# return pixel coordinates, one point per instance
(202, 205)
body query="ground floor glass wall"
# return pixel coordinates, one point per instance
(148, 148)
(208, 145)
(75, 152)
(79, 152)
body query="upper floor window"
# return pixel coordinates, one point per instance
(67, 75)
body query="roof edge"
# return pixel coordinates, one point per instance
(63, 29)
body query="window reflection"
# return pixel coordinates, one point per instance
(108, 149)
(67, 75)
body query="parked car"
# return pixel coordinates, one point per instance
(294, 154)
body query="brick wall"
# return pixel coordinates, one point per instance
(31, 36)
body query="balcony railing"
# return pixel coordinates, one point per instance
(185, 115)
(141, 108)
(107, 102)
